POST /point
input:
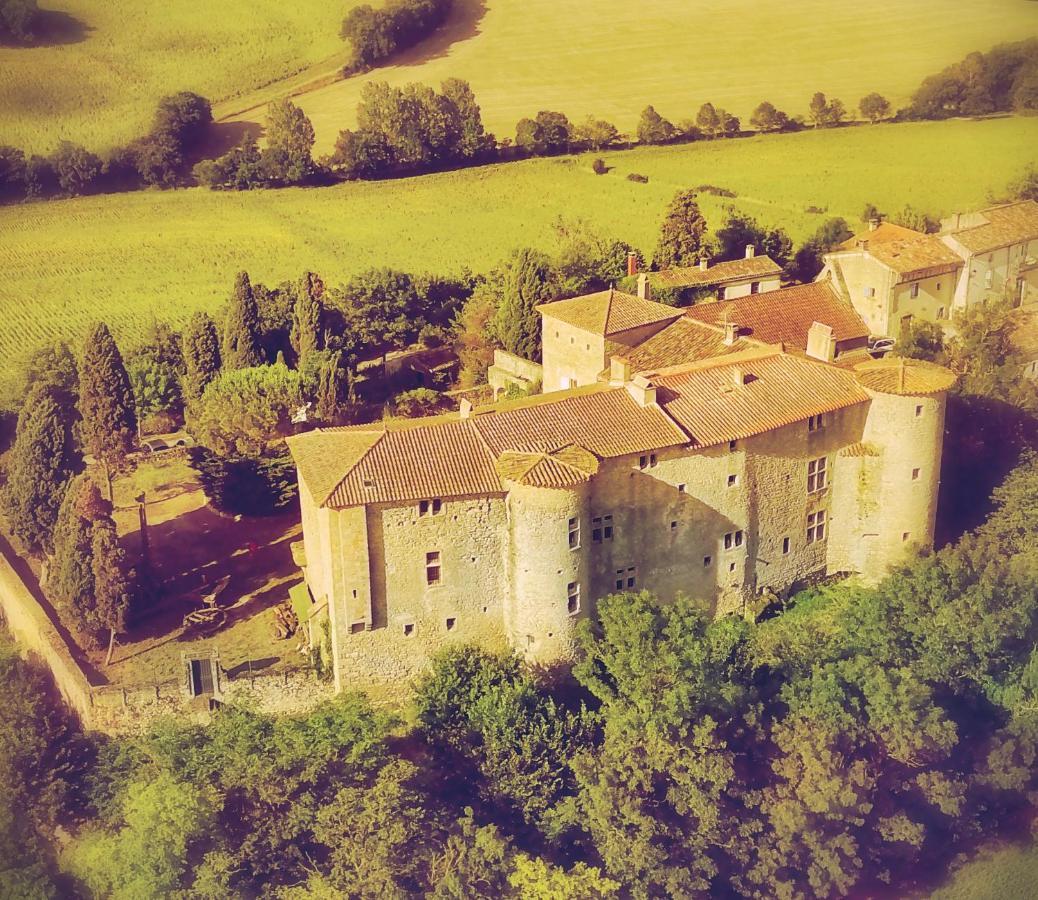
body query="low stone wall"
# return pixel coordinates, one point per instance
(116, 709)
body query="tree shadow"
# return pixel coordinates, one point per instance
(462, 24)
(53, 28)
(222, 136)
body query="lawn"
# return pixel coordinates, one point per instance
(1010, 873)
(133, 257)
(613, 57)
(99, 82)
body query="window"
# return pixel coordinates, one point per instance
(941, 313)
(731, 567)
(816, 475)
(870, 292)
(815, 423)
(706, 561)
(904, 535)
(816, 526)
(733, 480)
(451, 622)
(573, 597)
(432, 567)
(601, 529)
(732, 445)
(409, 629)
(918, 411)
(915, 474)
(432, 507)
(203, 677)
(673, 524)
(647, 462)
(626, 578)
(913, 291)
(681, 489)
(358, 627)
(733, 539)
(574, 534)
(754, 287)
(785, 546)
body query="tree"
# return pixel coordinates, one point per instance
(12, 174)
(76, 169)
(185, 118)
(43, 461)
(921, 340)
(527, 283)
(835, 113)
(473, 142)
(874, 107)
(740, 230)
(241, 337)
(1026, 186)
(290, 140)
(111, 580)
(818, 109)
(106, 401)
(70, 578)
(598, 134)
(529, 136)
(555, 131)
(681, 233)
(767, 118)
(707, 120)
(807, 262)
(307, 331)
(654, 129)
(917, 220)
(201, 355)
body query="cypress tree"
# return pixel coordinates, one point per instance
(241, 335)
(681, 233)
(70, 582)
(111, 580)
(106, 401)
(43, 461)
(527, 283)
(306, 319)
(201, 355)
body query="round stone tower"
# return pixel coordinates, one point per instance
(886, 487)
(549, 533)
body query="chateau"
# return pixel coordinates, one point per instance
(727, 452)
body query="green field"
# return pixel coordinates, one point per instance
(101, 88)
(612, 57)
(1007, 874)
(129, 258)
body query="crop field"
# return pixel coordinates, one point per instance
(128, 258)
(109, 62)
(613, 57)
(1007, 874)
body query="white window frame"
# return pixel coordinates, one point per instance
(817, 474)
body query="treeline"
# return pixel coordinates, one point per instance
(376, 34)
(860, 742)
(161, 158)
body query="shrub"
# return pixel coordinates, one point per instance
(243, 485)
(599, 167)
(641, 179)
(715, 191)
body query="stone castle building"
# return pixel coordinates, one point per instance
(682, 456)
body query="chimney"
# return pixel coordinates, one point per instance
(731, 333)
(820, 342)
(619, 371)
(873, 224)
(644, 291)
(704, 263)
(465, 408)
(632, 265)
(750, 251)
(642, 391)
(738, 376)
(863, 245)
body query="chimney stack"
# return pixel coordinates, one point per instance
(632, 265)
(738, 376)
(731, 333)
(750, 251)
(873, 223)
(619, 371)
(642, 391)
(820, 342)
(465, 408)
(644, 291)
(704, 263)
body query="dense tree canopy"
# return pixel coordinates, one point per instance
(682, 233)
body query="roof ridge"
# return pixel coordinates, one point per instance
(381, 437)
(764, 351)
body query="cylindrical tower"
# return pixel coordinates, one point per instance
(893, 501)
(549, 532)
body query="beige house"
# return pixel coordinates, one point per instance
(725, 479)
(724, 280)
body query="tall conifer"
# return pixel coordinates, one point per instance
(241, 336)
(306, 319)
(201, 355)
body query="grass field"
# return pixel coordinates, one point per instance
(129, 258)
(100, 85)
(1007, 874)
(613, 57)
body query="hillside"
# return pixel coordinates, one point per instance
(614, 57)
(130, 257)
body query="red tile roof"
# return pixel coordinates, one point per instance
(904, 377)
(911, 254)
(684, 341)
(608, 312)
(1011, 223)
(718, 273)
(786, 315)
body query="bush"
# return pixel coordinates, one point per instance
(641, 179)
(715, 191)
(599, 167)
(248, 486)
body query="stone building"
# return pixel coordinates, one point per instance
(726, 479)
(725, 280)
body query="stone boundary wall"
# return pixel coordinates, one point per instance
(116, 709)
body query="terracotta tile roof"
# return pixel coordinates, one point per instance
(746, 394)
(717, 274)
(608, 312)
(786, 315)
(904, 377)
(605, 421)
(567, 466)
(910, 254)
(683, 341)
(1012, 223)
(324, 458)
(862, 448)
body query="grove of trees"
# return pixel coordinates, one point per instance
(376, 34)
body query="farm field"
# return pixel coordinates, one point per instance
(1010, 873)
(129, 258)
(607, 60)
(98, 82)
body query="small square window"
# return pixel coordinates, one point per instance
(409, 629)
(815, 423)
(914, 290)
(681, 489)
(673, 525)
(732, 445)
(652, 459)
(733, 539)
(733, 480)
(731, 567)
(451, 622)
(707, 560)
(915, 474)
(357, 627)
(785, 545)
(573, 597)
(643, 462)
(904, 535)
(437, 506)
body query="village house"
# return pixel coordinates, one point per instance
(716, 281)
(730, 478)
